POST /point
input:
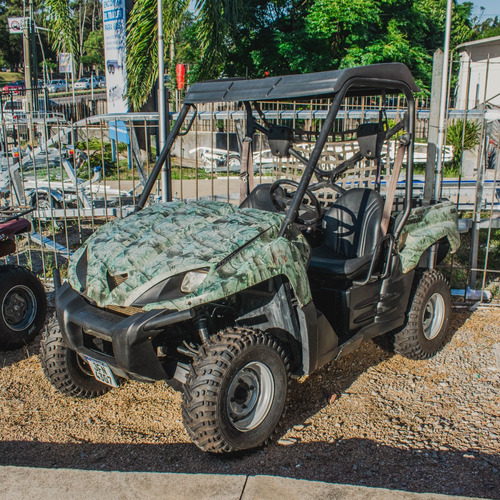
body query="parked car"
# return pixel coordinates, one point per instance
(57, 86)
(84, 84)
(15, 87)
(101, 81)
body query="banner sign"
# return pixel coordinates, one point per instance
(65, 63)
(114, 23)
(16, 24)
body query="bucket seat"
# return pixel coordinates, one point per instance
(351, 231)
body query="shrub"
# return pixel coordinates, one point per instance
(454, 138)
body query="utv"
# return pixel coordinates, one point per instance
(226, 303)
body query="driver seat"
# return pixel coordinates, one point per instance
(351, 231)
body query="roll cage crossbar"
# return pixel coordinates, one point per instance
(358, 83)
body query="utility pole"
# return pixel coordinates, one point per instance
(161, 101)
(28, 75)
(34, 61)
(27, 59)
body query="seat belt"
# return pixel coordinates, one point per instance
(246, 172)
(393, 183)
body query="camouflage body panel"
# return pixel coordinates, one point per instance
(264, 258)
(426, 226)
(166, 239)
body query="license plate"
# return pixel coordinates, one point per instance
(101, 371)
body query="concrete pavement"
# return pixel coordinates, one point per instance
(18, 483)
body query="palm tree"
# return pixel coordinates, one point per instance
(214, 20)
(64, 28)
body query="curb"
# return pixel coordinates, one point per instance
(70, 484)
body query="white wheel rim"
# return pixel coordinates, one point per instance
(250, 396)
(433, 316)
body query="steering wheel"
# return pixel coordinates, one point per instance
(309, 209)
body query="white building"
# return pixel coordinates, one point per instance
(484, 57)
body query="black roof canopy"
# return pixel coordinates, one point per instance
(391, 76)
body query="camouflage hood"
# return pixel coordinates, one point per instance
(127, 257)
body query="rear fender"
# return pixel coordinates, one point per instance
(425, 227)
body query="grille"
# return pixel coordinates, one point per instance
(126, 311)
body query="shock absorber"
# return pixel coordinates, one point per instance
(202, 325)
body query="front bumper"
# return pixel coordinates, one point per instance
(129, 339)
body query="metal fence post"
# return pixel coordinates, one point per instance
(437, 77)
(481, 165)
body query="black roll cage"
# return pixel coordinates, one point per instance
(368, 83)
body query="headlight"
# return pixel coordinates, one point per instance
(172, 288)
(192, 280)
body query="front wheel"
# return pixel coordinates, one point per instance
(64, 368)
(236, 390)
(22, 306)
(428, 318)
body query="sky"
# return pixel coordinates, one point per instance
(492, 8)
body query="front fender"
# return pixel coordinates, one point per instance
(425, 227)
(260, 261)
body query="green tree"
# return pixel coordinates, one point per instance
(93, 50)
(64, 28)
(486, 28)
(292, 36)
(369, 31)
(71, 22)
(214, 22)
(187, 49)
(11, 45)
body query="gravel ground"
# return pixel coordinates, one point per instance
(369, 419)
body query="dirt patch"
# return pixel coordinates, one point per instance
(370, 419)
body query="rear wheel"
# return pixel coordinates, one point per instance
(236, 390)
(23, 306)
(64, 368)
(428, 318)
